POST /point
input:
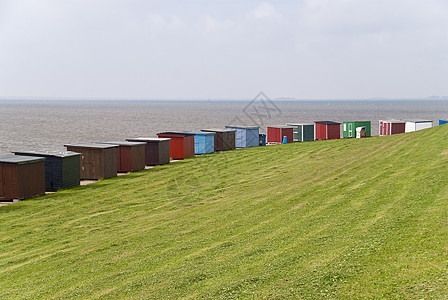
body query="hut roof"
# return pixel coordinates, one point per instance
(92, 145)
(149, 139)
(18, 159)
(123, 143)
(201, 133)
(61, 154)
(218, 130)
(299, 124)
(327, 122)
(243, 127)
(393, 121)
(175, 133)
(281, 126)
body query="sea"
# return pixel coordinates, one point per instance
(47, 125)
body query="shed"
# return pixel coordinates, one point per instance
(389, 127)
(441, 122)
(327, 130)
(130, 156)
(349, 128)
(98, 161)
(417, 125)
(157, 150)
(204, 142)
(21, 177)
(181, 144)
(224, 139)
(303, 132)
(276, 133)
(246, 136)
(62, 169)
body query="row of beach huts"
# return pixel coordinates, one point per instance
(31, 173)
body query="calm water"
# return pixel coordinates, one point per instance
(48, 125)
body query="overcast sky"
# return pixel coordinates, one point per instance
(232, 49)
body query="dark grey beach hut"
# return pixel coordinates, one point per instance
(62, 169)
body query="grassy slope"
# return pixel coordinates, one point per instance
(357, 218)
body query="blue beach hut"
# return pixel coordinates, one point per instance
(441, 122)
(204, 142)
(246, 136)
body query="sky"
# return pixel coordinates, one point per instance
(223, 49)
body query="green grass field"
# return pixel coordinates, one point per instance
(359, 218)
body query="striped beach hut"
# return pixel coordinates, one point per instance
(389, 127)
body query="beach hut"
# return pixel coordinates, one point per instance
(98, 161)
(224, 138)
(417, 125)
(21, 177)
(130, 156)
(277, 133)
(157, 150)
(389, 127)
(181, 144)
(349, 128)
(303, 132)
(62, 169)
(204, 142)
(441, 122)
(327, 130)
(245, 136)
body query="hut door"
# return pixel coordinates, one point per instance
(350, 129)
(2, 185)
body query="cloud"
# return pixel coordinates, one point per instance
(265, 11)
(173, 49)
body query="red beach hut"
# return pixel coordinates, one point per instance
(276, 134)
(327, 130)
(181, 144)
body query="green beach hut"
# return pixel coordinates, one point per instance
(349, 128)
(303, 132)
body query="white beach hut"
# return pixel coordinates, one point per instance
(418, 125)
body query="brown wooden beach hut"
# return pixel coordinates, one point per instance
(224, 138)
(21, 177)
(61, 168)
(130, 156)
(157, 150)
(98, 161)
